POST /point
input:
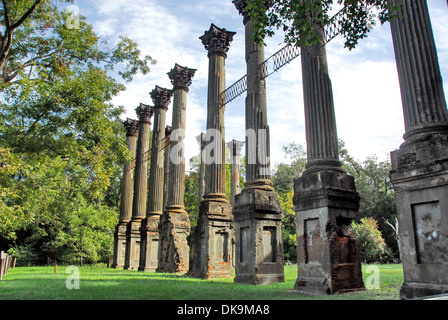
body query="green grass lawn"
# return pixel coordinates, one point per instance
(99, 283)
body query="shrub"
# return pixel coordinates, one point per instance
(372, 245)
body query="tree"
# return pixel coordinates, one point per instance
(297, 18)
(284, 174)
(37, 40)
(62, 141)
(283, 181)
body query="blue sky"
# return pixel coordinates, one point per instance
(365, 81)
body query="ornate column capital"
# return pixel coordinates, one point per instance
(181, 77)
(144, 113)
(131, 126)
(241, 5)
(161, 97)
(217, 40)
(235, 147)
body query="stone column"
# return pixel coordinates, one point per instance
(420, 167)
(174, 226)
(132, 257)
(325, 197)
(257, 210)
(150, 225)
(127, 190)
(235, 149)
(201, 140)
(214, 233)
(166, 168)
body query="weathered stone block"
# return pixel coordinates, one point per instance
(119, 245)
(328, 259)
(174, 251)
(213, 244)
(258, 245)
(420, 178)
(149, 240)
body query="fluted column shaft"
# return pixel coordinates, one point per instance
(177, 163)
(257, 128)
(424, 104)
(161, 98)
(141, 169)
(235, 149)
(216, 41)
(127, 182)
(215, 182)
(166, 175)
(320, 121)
(201, 141)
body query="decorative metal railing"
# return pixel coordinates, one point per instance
(279, 59)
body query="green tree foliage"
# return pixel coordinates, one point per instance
(377, 195)
(283, 181)
(296, 17)
(62, 142)
(372, 245)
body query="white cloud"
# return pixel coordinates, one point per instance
(365, 82)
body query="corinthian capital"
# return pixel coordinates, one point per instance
(217, 40)
(144, 113)
(131, 126)
(181, 77)
(161, 97)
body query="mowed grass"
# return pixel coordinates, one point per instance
(101, 283)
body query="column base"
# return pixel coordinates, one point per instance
(132, 256)
(119, 245)
(174, 251)
(420, 178)
(412, 290)
(259, 245)
(149, 252)
(328, 260)
(214, 237)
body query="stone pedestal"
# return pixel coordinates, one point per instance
(420, 178)
(127, 189)
(420, 167)
(174, 227)
(328, 262)
(132, 257)
(259, 246)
